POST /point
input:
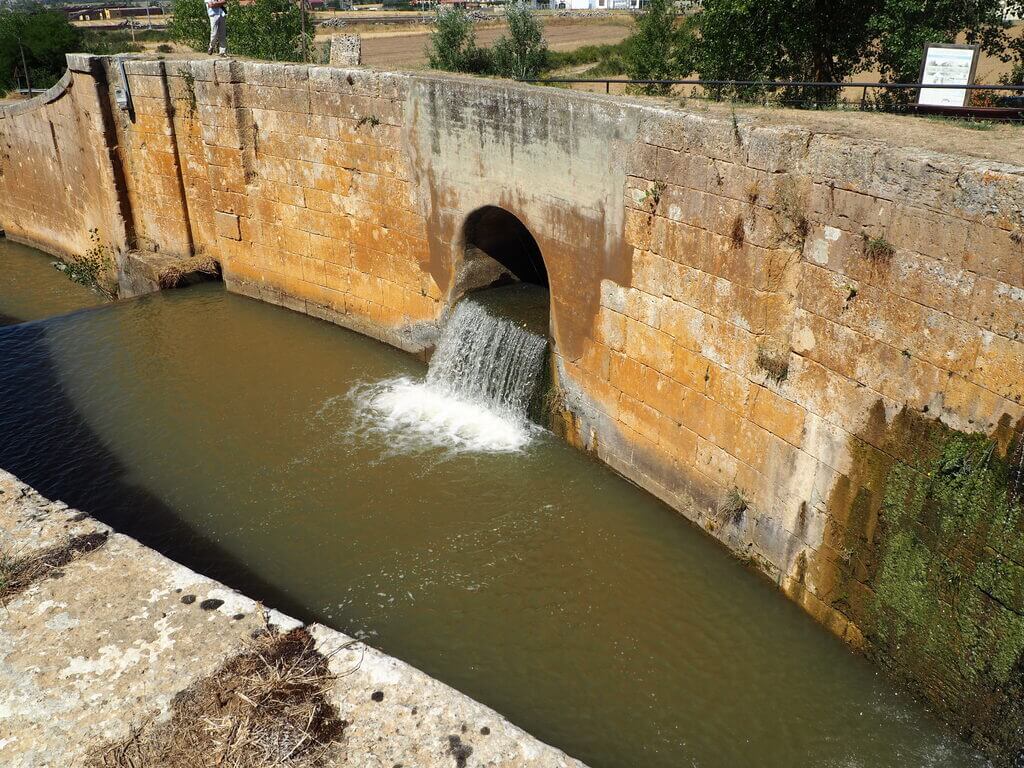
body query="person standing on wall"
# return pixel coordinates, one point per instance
(218, 13)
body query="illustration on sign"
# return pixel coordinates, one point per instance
(947, 65)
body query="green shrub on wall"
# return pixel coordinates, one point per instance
(263, 29)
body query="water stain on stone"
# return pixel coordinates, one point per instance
(922, 567)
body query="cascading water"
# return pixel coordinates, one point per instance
(481, 381)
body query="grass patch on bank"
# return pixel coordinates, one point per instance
(17, 573)
(266, 707)
(607, 59)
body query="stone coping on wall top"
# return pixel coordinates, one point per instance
(923, 139)
(48, 96)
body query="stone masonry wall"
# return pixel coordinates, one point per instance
(808, 344)
(58, 188)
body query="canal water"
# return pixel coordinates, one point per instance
(281, 454)
(31, 287)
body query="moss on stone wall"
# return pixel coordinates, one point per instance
(928, 563)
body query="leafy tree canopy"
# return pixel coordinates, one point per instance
(831, 40)
(659, 48)
(523, 52)
(43, 37)
(453, 43)
(262, 29)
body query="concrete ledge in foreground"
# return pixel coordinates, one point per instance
(103, 643)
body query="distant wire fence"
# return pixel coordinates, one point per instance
(984, 102)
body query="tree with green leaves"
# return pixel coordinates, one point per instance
(659, 48)
(35, 39)
(453, 43)
(902, 28)
(523, 52)
(263, 29)
(816, 40)
(830, 40)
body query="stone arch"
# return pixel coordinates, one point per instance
(497, 248)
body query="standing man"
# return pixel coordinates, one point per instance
(218, 13)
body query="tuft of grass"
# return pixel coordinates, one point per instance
(736, 236)
(266, 707)
(775, 365)
(16, 573)
(653, 195)
(732, 508)
(877, 249)
(371, 120)
(175, 275)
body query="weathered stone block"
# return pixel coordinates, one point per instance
(227, 225)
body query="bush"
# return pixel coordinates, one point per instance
(453, 43)
(263, 29)
(829, 42)
(522, 54)
(658, 49)
(44, 37)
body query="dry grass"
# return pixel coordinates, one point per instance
(790, 207)
(878, 249)
(175, 275)
(16, 573)
(732, 508)
(775, 365)
(737, 235)
(265, 707)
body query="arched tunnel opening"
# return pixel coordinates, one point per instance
(504, 238)
(499, 329)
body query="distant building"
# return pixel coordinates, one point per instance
(112, 12)
(597, 5)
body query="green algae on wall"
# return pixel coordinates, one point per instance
(928, 563)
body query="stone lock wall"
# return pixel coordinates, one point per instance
(808, 344)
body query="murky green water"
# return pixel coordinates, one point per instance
(225, 432)
(31, 288)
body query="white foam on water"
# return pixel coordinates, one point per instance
(477, 392)
(417, 415)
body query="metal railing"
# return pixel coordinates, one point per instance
(812, 94)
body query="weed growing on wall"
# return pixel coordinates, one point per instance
(790, 208)
(190, 93)
(732, 508)
(774, 364)
(89, 268)
(652, 195)
(877, 248)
